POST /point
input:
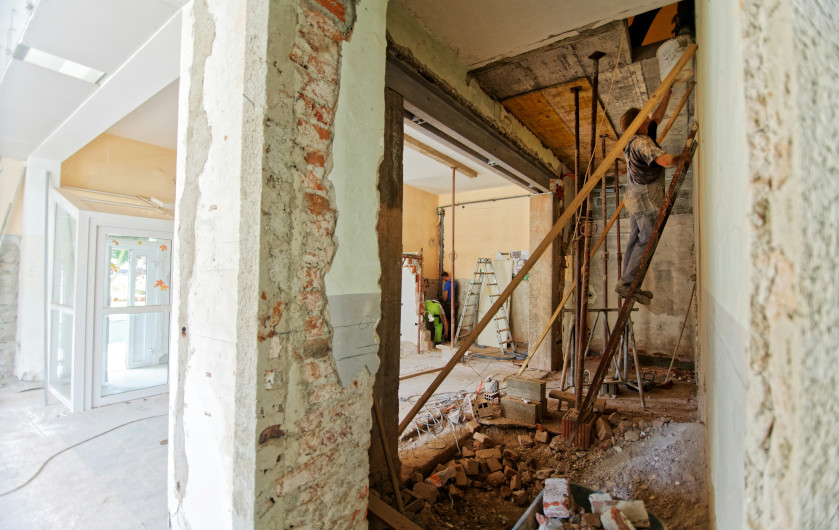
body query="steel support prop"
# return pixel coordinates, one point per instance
(578, 253)
(551, 235)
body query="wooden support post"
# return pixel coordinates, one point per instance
(616, 150)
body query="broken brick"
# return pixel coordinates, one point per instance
(525, 440)
(494, 465)
(557, 500)
(497, 479)
(615, 520)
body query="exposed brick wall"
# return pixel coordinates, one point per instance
(9, 267)
(313, 432)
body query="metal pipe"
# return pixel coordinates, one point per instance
(451, 278)
(441, 213)
(578, 254)
(491, 200)
(605, 253)
(421, 305)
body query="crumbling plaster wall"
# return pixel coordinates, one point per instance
(416, 44)
(268, 428)
(770, 90)
(9, 269)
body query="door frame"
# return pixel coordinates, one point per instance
(99, 312)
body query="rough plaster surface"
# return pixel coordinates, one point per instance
(264, 434)
(417, 45)
(9, 265)
(816, 44)
(774, 350)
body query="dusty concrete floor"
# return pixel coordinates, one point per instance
(115, 480)
(666, 468)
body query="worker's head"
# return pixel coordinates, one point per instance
(445, 275)
(629, 116)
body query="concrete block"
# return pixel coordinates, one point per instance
(557, 500)
(615, 520)
(527, 388)
(636, 512)
(516, 409)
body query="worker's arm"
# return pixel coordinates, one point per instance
(658, 115)
(667, 160)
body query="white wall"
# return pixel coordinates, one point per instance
(722, 197)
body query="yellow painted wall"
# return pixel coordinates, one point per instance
(9, 179)
(419, 227)
(483, 229)
(119, 165)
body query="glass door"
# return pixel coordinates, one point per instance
(62, 305)
(131, 354)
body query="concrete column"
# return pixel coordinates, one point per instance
(280, 138)
(544, 283)
(41, 174)
(390, 253)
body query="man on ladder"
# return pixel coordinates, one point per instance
(447, 305)
(645, 162)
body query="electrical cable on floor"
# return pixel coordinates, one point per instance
(47, 461)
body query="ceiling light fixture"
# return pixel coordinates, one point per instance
(57, 64)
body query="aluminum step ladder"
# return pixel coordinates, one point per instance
(484, 274)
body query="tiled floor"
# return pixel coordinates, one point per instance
(116, 480)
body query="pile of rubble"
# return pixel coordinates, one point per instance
(560, 513)
(485, 466)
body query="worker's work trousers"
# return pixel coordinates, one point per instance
(643, 204)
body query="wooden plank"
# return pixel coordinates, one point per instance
(591, 183)
(388, 515)
(549, 113)
(434, 154)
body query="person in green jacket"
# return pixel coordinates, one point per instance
(435, 320)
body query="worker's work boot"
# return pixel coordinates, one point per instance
(642, 297)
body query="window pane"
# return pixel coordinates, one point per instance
(136, 352)
(139, 271)
(64, 259)
(61, 352)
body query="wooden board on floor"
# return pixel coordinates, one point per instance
(388, 515)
